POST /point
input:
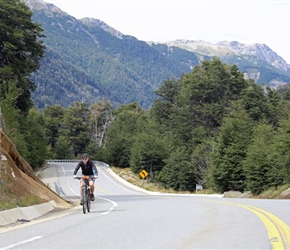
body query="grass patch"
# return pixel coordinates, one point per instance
(136, 180)
(29, 200)
(12, 195)
(10, 201)
(273, 193)
(128, 175)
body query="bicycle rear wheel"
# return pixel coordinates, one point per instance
(85, 200)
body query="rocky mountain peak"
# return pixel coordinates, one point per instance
(96, 22)
(200, 47)
(261, 51)
(225, 48)
(41, 5)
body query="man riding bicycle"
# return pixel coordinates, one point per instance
(88, 169)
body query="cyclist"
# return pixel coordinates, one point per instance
(88, 169)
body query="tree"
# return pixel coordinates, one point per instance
(148, 152)
(53, 122)
(14, 120)
(121, 134)
(101, 117)
(256, 103)
(279, 155)
(162, 106)
(203, 99)
(274, 102)
(257, 165)
(8, 102)
(227, 172)
(179, 173)
(20, 51)
(36, 153)
(76, 127)
(63, 148)
(201, 161)
(207, 93)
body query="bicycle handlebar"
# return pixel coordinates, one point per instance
(80, 178)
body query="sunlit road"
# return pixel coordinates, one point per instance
(125, 218)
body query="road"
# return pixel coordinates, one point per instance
(122, 217)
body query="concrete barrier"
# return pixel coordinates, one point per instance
(25, 213)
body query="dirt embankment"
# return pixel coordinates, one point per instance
(18, 180)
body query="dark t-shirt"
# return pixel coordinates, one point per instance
(87, 169)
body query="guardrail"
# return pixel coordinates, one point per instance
(99, 163)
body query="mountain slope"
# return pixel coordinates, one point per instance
(87, 60)
(257, 61)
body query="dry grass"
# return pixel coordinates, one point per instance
(136, 180)
(128, 175)
(273, 193)
(10, 199)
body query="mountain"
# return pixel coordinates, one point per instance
(87, 60)
(257, 61)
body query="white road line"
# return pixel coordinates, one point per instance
(120, 179)
(22, 242)
(115, 204)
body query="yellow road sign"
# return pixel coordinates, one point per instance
(143, 173)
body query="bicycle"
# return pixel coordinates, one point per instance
(86, 193)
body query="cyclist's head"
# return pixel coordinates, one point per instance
(85, 156)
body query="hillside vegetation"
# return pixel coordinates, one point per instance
(210, 127)
(86, 60)
(19, 186)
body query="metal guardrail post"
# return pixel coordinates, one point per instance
(99, 163)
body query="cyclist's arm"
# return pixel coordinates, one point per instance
(95, 170)
(77, 169)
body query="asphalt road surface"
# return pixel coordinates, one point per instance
(122, 217)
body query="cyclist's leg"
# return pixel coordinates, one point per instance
(92, 187)
(81, 191)
(84, 199)
(81, 186)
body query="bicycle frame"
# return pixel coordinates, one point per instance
(86, 191)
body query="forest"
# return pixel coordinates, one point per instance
(210, 127)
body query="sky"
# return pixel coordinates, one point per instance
(248, 21)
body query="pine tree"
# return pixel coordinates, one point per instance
(233, 140)
(20, 51)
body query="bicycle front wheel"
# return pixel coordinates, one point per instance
(85, 200)
(89, 201)
(88, 206)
